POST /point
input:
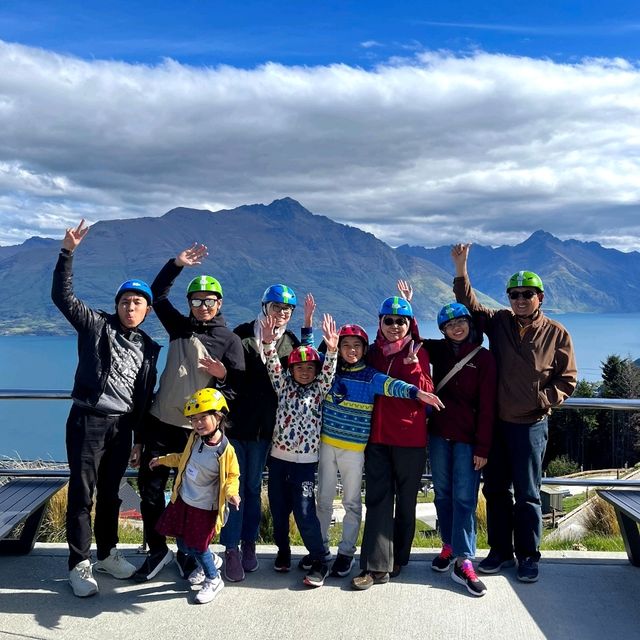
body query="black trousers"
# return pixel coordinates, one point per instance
(392, 478)
(98, 449)
(164, 438)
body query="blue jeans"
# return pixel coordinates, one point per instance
(512, 480)
(244, 523)
(203, 558)
(291, 489)
(456, 485)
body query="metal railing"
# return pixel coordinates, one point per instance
(618, 404)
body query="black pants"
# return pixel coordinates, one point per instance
(98, 449)
(163, 439)
(392, 477)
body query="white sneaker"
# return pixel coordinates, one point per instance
(197, 576)
(209, 590)
(116, 565)
(82, 581)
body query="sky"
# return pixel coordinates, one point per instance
(426, 122)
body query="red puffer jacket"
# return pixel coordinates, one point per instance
(396, 421)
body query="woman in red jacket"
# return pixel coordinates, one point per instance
(395, 456)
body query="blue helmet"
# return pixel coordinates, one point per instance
(279, 293)
(395, 307)
(451, 311)
(137, 286)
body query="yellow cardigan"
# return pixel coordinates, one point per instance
(229, 475)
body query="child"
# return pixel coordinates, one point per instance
(207, 478)
(112, 390)
(296, 438)
(346, 422)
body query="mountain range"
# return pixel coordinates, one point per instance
(348, 270)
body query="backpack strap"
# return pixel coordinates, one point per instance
(457, 368)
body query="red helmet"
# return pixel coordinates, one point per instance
(304, 354)
(354, 330)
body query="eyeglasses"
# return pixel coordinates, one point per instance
(281, 308)
(527, 295)
(391, 321)
(207, 302)
(458, 322)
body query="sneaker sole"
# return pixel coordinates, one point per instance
(503, 565)
(439, 570)
(282, 569)
(161, 565)
(124, 576)
(88, 594)
(235, 579)
(463, 582)
(527, 579)
(343, 574)
(313, 583)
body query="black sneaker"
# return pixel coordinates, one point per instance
(496, 561)
(283, 561)
(153, 564)
(341, 566)
(443, 561)
(186, 564)
(317, 574)
(465, 574)
(527, 570)
(307, 562)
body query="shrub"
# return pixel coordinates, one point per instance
(562, 466)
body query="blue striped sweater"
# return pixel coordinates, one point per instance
(347, 408)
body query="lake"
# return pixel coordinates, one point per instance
(35, 429)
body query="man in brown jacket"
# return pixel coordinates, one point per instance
(536, 371)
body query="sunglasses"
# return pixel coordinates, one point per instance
(207, 302)
(527, 295)
(391, 321)
(281, 308)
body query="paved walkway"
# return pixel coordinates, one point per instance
(580, 595)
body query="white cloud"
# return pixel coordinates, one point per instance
(425, 150)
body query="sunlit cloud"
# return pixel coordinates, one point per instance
(429, 149)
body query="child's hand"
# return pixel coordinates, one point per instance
(73, 237)
(412, 358)
(191, 256)
(430, 398)
(405, 289)
(235, 501)
(213, 367)
(268, 325)
(309, 309)
(330, 333)
(153, 463)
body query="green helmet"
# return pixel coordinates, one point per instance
(204, 283)
(525, 279)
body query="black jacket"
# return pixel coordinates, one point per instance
(254, 414)
(220, 342)
(94, 348)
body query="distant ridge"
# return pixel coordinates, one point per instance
(348, 270)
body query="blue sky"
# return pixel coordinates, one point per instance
(422, 122)
(248, 33)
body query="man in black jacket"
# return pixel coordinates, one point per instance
(113, 386)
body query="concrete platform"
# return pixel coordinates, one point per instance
(579, 595)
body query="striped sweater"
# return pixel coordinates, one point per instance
(347, 408)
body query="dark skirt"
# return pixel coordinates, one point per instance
(195, 526)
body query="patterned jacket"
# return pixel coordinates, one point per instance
(296, 437)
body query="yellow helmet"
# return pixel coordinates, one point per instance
(205, 400)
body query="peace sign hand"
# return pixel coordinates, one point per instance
(412, 358)
(73, 237)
